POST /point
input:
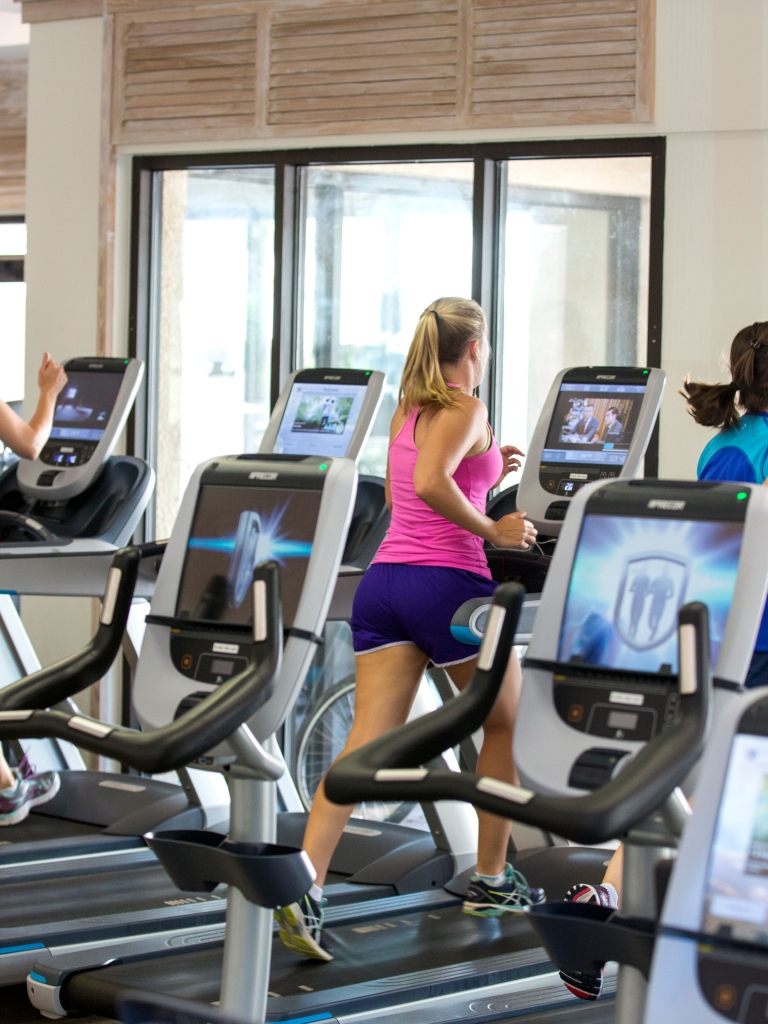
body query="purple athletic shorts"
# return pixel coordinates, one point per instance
(414, 604)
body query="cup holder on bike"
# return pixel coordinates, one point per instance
(265, 873)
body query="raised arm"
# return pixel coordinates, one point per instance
(27, 439)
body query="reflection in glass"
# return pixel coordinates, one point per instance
(380, 243)
(214, 322)
(574, 284)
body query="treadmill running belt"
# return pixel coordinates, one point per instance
(37, 828)
(377, 963)
(94, 894)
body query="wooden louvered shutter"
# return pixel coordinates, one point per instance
(189, 70)
(186, 73)
(13, 129)
(368, 63)
(552, 61)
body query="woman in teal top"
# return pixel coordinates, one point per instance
(740, 451)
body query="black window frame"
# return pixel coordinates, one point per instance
(488, 195)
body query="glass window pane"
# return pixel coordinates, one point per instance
(214, 322)
(381, 241)
(13, 239)
(574, 285)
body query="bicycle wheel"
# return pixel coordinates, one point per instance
(321, 740)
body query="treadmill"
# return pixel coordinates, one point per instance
(86, 847)
(65, 513)
(434, 961)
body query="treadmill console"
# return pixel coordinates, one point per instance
(636, 563)
(595, 425)
(89, 415)
(602, 662)
(242, 518)
(324, 412)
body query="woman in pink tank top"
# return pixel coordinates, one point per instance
(443, 460)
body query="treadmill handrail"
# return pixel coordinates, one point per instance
(71, 675)
(199, 729)
(607, 813)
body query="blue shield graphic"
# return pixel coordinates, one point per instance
(651, 591)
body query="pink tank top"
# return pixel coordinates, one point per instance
(417, 535)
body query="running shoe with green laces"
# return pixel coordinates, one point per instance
(512, 896)
(301, 927)
(30, 791)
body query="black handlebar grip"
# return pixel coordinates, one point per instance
(390, 768)
(71, 675)
(199, 729)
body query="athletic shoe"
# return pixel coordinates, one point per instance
(512, 896)
(587, 986)
(301, 926)
(30, 791)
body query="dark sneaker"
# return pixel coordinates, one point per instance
(301, 927)
(512, 896)
(30, 791)
(587, 986)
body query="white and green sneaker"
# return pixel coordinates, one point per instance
(511, 895)
(301, 927)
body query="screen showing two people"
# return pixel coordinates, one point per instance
(319, 419)
(234, 529)
(593, 423)
(630, 577)
(85, 405)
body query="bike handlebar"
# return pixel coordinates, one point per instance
(197, 730)
(389, 768)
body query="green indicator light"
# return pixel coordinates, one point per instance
(126, 361)
(741, 496)
(324, 465)
(367, 373)
(645, 371)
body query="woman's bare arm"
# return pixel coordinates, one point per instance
(27, 439)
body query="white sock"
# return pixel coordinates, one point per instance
(613, 894)
(492, 879)
(317, 893)
(11, 790)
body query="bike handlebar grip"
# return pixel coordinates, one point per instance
(152, 548)
(64, 678)
(390, 768)
(199, 729)
(419, 741)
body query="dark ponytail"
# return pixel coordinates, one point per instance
(717, 405)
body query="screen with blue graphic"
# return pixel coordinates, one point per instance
(234, 529)
(631, 575)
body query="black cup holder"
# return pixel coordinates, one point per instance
(265, 873)
(584, 937)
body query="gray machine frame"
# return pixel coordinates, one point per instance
(73, 480)
(531, 496)
(545, 766)
(156, 706)
(674, 991)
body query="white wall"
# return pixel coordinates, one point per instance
(63, 160)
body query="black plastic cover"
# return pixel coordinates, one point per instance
(265, 873)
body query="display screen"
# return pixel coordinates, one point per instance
(319, 419)
(630, 577)
(84, 406)
(736, 902)
(593, 423)
(234, 529)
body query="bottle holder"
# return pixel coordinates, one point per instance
(265, 873)
(584, 937)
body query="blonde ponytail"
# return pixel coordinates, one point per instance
(443, 334)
